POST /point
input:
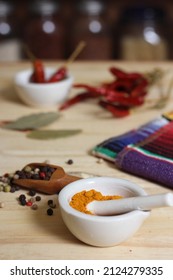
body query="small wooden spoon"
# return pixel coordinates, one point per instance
(57, 181)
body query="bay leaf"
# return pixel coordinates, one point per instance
(32, 121)
(52, 134)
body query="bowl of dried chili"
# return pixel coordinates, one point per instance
(43, 89)
(100, 230)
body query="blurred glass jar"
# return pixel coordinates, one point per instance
(44, 32)
(142, 34)
(9, 41)
(91, 25)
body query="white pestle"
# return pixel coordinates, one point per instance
(124, 205)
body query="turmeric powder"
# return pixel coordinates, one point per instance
(80, 200)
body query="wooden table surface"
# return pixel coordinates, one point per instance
(29, 234)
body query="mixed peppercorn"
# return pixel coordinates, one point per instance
(33, 201)
(37, 173)
(7, 181)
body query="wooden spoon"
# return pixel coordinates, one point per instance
(57, 181)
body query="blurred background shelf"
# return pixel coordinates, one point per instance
(122, 30)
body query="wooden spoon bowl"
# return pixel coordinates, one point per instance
(57, 181)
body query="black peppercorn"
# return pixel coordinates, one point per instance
(32, 192)
(38, 198)
(49, 212)
(22, 197)
(23, 202)
(17, 188)
(12, 190)
(50, 201)
(70, 161)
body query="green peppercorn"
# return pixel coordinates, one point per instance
(7, 188)
(28, 168)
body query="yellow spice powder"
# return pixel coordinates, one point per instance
(80, 200)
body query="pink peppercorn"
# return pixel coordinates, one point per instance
(29, 203)
(42, 175)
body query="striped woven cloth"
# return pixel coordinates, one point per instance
(146, 152)
(110, 148)
(152, 158)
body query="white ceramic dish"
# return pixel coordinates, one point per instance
(42, 95)
(102, 231)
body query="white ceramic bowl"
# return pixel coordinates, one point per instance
(42, 95)
(102, 231)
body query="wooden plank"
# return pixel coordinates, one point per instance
(27, 234)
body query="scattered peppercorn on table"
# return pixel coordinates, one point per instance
(39, 233)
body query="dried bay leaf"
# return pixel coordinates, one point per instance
(32, 121)
(52, 134)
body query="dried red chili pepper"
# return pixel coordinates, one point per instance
(59, 75)
(140, 89)
(117, 112)
(121, 85)
(78, 98)
(126, 101)
(100, 90)
(38, 75)
(123, 75)
(118, 73)
(126, 91)
(134, 76)
(97, 90)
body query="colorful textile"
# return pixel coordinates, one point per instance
(151, 158)
(110, 148)
(146, 152)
